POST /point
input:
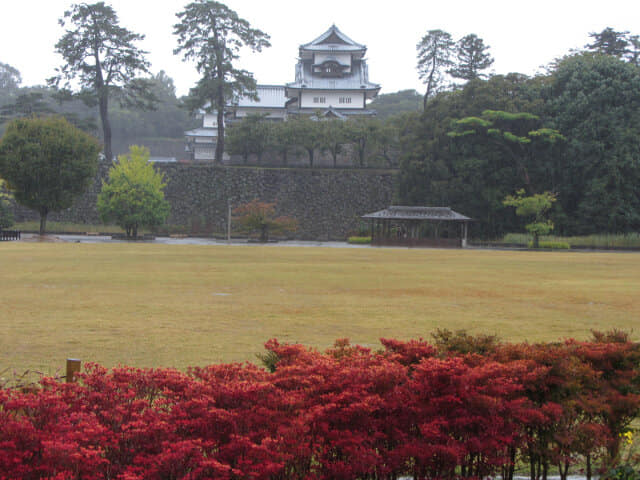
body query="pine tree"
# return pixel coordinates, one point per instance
(472, 58)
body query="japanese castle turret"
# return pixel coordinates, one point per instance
(331, 76)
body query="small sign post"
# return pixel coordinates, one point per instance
(73, 367)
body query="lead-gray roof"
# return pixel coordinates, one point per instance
(202, 132)
(333, 40)
(417, 213)
(356, 80)
(269, 96)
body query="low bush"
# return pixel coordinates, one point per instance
(410, 409)
(359, 240)
(552, 245)
(610, 240)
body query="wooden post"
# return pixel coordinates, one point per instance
(73, 367)
(229, 220)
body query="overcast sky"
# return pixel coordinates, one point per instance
(523, 36)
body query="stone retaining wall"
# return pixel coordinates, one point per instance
(327, 203)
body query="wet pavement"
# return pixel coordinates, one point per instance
(188, 241)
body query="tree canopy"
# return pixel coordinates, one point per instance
(535, 206)
(434, 58)
(260, 217)
(471, 58)
(133, 195)
(212, 34)
(103, 58)
(46, 163)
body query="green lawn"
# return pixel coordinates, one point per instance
(159, 305)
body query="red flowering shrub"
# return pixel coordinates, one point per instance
(347, 413)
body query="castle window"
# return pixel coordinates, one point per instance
(344, 99)
(319, 99)
(329, 69)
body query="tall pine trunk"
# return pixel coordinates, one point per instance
(43, 220)
(106, 125)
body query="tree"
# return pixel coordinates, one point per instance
(594, 102)
(472, 58)
(609, 42)
(517, 136)
(633, 52)
(536, 206)
(102, 56)
(334, 136)
(434, 57)
(6, 216)
(133, 195)
(390, 104)
(213, 34)
(284, 137)
(46, 163)
(253, 134)
(361, 132)
(26, 105)
(436, 169)
(10, 78)
(260, 217)
(308, 134)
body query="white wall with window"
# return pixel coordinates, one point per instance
(345, 99)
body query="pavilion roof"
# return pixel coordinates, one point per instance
(417, 213)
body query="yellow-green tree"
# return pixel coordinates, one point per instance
(133, 195)
(535, 206)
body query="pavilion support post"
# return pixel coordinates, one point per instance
(464, 236)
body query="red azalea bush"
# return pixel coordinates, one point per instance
(410, 409)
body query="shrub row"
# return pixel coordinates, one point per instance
(359, 240)
(462, 407)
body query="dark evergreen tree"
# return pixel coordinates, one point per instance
(102, 56)
(609, 42)
(212, 34)
(595, 102)
(436, 170)
(434, 58)
(472, 58)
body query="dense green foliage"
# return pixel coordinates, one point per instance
(574, 132)
(46, 163)
(594, 100)
(370, 141)
(389, 104)
(6, 215)
(132, 196)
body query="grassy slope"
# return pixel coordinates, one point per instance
(156, 305)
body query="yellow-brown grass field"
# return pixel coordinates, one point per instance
(158, 305)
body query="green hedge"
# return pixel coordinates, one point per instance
(359, 240)
(553, 245)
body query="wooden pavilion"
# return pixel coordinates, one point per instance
(418, 227)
